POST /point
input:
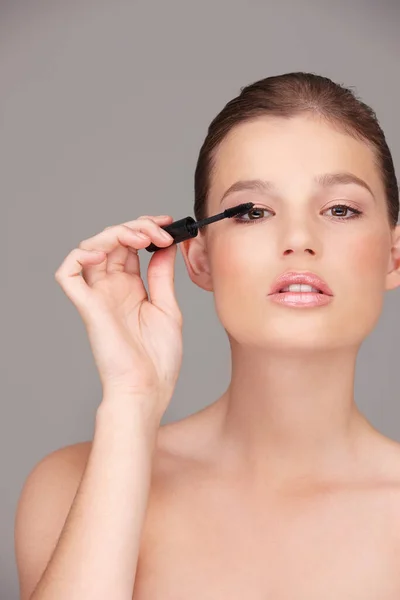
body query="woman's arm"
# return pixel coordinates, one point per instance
(86, 548)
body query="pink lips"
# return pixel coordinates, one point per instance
(303, 299)
(307, 278)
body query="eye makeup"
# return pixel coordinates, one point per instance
(343, 205)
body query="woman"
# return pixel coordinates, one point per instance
(280, 488)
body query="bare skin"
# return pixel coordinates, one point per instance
(210, 532)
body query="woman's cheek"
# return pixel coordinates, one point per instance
(234, 270)
(367, 258)
(230, 258)
(364, 270)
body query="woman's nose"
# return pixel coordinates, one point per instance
(300, 236)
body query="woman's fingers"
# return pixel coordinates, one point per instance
(68, 275)
(115, 242)
(115, 250)
(128, 257)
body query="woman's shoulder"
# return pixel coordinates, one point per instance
(65, 462)
(43, 505)
(51, 485)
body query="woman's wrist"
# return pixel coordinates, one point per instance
(122, 409)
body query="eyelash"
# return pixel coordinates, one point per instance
(356, 215)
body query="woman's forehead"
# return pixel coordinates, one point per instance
(279, 150)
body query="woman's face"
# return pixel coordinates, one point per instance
(300, 230)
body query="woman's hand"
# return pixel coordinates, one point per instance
(136, 340)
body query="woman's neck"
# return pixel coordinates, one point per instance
(292, 415)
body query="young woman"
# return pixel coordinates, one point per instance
(281, 488)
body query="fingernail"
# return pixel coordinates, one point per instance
(165, 234)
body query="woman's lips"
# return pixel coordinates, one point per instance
(300, 277)
(301, 299)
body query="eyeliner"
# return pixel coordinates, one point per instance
(188, 227)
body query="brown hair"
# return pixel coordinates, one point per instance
(288, 95)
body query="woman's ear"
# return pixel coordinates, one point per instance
(194, 252)
(393, 275)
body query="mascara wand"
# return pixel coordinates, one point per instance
(188, 228)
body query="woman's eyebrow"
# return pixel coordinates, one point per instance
(325, 180)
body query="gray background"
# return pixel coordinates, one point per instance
(103, 109)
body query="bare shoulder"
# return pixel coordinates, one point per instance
(49, 490)
(58, 472)
(64, 465)
(43, 505)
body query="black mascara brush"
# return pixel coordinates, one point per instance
(187, 228)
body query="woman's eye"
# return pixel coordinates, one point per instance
(253, 214)
(344, 208)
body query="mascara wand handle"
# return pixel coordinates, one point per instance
(180, 230)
